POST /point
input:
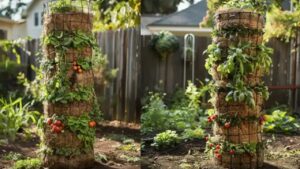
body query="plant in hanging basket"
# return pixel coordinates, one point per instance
(164, 43)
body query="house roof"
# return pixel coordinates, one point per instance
(190, 17)
(7, 20)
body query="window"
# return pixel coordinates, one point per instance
(36, 19)
(3, 34)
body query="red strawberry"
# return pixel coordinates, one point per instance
(231, 152)
(49, 121)
(227, 125)
(217, 151)
(58, 123)
(218, 146)
(219, 156)
(92, 124)
(214, 116)
(57, 129)
(209, 119)
(211, 145)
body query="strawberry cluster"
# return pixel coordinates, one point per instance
(56, 127)
(213, 117)
(77, 68)
(217, 149)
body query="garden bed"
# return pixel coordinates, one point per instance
(282, 152)
(116, 146)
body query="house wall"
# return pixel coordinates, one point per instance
(19, 31)
(32, 30)
(8, 28)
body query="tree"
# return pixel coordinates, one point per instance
(161, 6)
(115, 14)
(10, 10)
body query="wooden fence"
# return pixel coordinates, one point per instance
(167, 74)
(140, 70)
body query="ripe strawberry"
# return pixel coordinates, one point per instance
(58, 123)
(79, 70)
(209, 119)
(227, 125)
(75, 68)
(213, 117)
(231, 152)
(219, 156)
(216, 151)
(57, 129)
(211, 145)
(49, 121)
(92, 124)
(218, 147)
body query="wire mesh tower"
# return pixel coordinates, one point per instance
(68, 43)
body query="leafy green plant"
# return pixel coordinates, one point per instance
(166, 139)
(164, 43)
(155, 116)
(12, 156)
(30, 163)
(112, 15)
(281, 121)
(62, 6)
(85, 132)
(14, 116)
(190, 134)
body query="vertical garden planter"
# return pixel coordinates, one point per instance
(237, 60)
(68, 47)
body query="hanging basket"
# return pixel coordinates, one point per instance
(80, 161)
(228, 18)
(245, 132)
(65, 139)
(251, 79)
(242, 109)
(243, 161)
(76, 109)
(70, 54)
(225, 42)
(69, 21)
